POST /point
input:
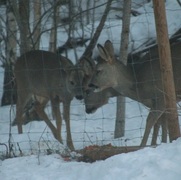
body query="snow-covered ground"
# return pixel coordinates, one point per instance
(161, 163)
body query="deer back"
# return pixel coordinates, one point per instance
(140, 81)
(45, 74)
(147, 76)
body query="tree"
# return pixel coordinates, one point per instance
(53, 32)
(15, 16)
(23, 23)
(120, 114)
(36, 23)
(9, 93)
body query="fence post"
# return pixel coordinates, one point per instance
(166, 69)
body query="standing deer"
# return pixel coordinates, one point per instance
(141, 82)
(94, 100)
(44, 76)
(54, 84)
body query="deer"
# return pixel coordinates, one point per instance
(43, 76)
(70, 81)
(94, 100)
(139, 81)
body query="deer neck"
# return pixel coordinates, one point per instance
(125, 80)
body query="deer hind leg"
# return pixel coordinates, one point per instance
(162, 121)
(152, 118)
(66, 113)
(164, 125)
(23, 98)
(55, 104)
(39, 107)
(155, 131)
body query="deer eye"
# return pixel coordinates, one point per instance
(72, 83)
(88, 92)
(98, 72)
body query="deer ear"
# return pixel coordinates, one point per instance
(67, 65)
(104, 54)
(108, 46)
(88, 65)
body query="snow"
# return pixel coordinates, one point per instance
(33, 163)
(161, 163)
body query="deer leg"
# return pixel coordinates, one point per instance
(152, 118)
(66, 110)
(21, 102)
(40, 111)
(19, 116)
(155, 131)
(164, 128)
(55, 104)
(163, 122)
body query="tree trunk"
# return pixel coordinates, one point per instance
(9, 92)
(36, 23)
(166, 69)
(23, 24)
(121, 107)
(22, 18)
(53, 33)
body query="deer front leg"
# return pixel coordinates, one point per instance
(55, 104)
(21, 102)
(152, 118)
(66, 109)
(155, 131)
(40, 111)
(162, 121)
(19, 117)
(164, 125)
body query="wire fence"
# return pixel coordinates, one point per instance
(86, 129)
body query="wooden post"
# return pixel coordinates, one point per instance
(166, 69)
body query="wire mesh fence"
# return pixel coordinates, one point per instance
(86, 129)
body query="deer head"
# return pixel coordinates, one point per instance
(110, 72)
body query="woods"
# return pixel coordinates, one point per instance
(73, 28)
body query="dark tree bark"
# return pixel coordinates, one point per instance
(23, 24)
(9, 90)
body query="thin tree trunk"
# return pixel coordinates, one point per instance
(121, 107)
(97, 33)
(9, 93)
(22, 18)
(36, 23)
(53, 33)
(24, 26)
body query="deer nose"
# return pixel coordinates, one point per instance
(91, 85)
(79, 97)
(90, 110)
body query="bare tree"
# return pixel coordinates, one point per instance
(23, 23)
(9, 94)
(53, 32)
(37, 23)
(120, 114)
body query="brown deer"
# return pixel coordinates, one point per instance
(139, 81)
(43, 76)
(94, 100)
(72, 83)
